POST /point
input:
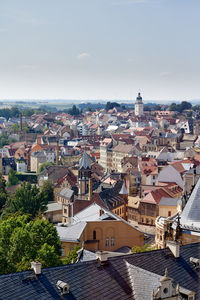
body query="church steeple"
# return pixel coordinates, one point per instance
(139, 106)
(84, 177)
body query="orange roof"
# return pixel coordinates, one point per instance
(155, 196)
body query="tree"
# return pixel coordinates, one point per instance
(146, 247)
(74, 111)
(12, 178)
(47, 190)
(27, 200)
(111, 105)
(4, 140)
(15, 128)
(3, 192)
(180, 107)
(59, 122)
(23, 240)
(71, 257)
(44, 165)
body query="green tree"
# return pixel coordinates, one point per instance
(47, 190)
(23, 240)
(189, 114)
(44, 165)
(4, 140)
(3, 192)
(27, 200)
(12, 178)
(180, 107)
(146, 247)
(59, 122)
(111, 105)
(71, 257)
(74, 111)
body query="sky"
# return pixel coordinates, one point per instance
(100, 49)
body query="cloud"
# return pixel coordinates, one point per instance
(83, 56)
(165, 74)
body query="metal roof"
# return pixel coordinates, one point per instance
(84, 162)
(191, 213)
(123, 190)
(66, 193)
(71, 233)
(53, 207)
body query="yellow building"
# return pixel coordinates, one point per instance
(107, 235)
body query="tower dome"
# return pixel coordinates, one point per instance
(139, 106)
(139, 98)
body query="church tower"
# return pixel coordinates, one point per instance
(139, 106)
(84, 178)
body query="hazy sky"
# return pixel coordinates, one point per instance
(99, 49)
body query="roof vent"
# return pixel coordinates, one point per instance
(36, 266)
(63, 287)
(174, 248)
(195, 262)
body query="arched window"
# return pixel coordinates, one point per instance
(112, 241)
(94, 235)
(107, 242)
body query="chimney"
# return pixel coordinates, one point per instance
(174, 248)
(102, 256)
(21, 122)
(101, 212)
(90, 188)
(36, 266)
(57, 154)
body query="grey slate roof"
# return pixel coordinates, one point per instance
(71, 233)
(123, 190)
(168, 201)
(139, 275)
(191, 213)
(87, 256)
(66, 193)
(89, 280)
(84, 162)
(53, 207)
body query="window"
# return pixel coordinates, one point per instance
(112, 241)
(107, 242)
(169, 213)
(165, 291)
(63, 252)
(151, 222)
(94, 235)
(65, 211)
(147, 221)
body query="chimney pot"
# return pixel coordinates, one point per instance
(102, 256)
(36, 266)
(101, 212)
(174, 248)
